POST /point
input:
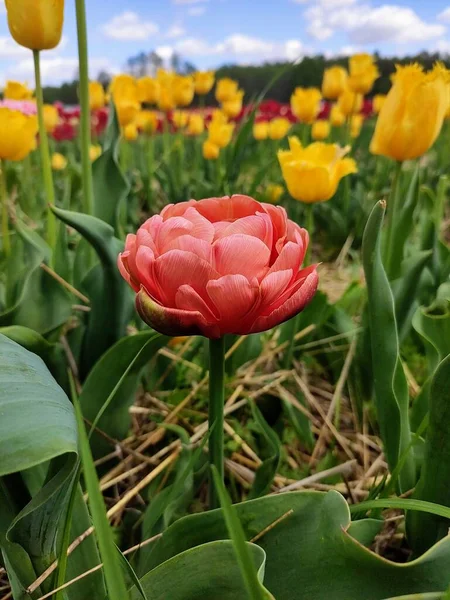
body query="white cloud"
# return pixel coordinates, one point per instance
(165, 52)
(366, 24)
(197, 11)
(243, 44)
(443, 47)
(129, 26)
(175, 31)
(9, 48)
(444, 16)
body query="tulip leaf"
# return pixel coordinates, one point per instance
(110, 185)
(111, 300)
(205, 572)
(431, 596)
(425, 529)
(391, 390)
(104, 377)
(309, 549)
(268, 469)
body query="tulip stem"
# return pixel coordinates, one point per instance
(85, 128)
(150, 161)
(216, 414)
(392, 218)
(4, 200)
(45, 154)
(309, 225)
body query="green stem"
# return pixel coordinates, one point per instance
(4, 201)
(392, 217)
(150, 160)
(45, 154)
(216, 413)
(85, 129)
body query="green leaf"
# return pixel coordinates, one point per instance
(208, 572)
(104, 377)
(268, 469)
(365, 530)
(111, 300)
(391, 390)
(310, 549)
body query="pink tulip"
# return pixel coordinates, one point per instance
(217, 266)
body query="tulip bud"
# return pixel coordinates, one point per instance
(17, 134)
(261, 130)
(51, 117)
(226, 88)
(210, 150)
(94, 152)
(305, 104)
(363, 73)
(233, 105)
(320, 130)
(203, 81)
(59, 162)
(334, 82)
(196, 124)
(36, 24)
(96, 95)
(130, 132)
(349, 102)
(16, 91)
(278, 128)
(220, 134)
(377, 103)
(337, 119)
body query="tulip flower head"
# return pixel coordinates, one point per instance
(51, 117)
(130, 132)
(180, 119)
(196, 124)
(337, 118)
(274, 192)
(233, 106)
(312, 173)
(97, 99)
(220, 133)
(363, 73)
(261, 130)
(211, 151)
(226, 89)
(278, 128)
(378, 102)
(349, 102)
(320, 130)
(17, 91)
(356, 123)
(166, 101)
(334, 82)
(148, 90)
(147, 121)
(218, 266)
(305, 104)
(95, 151)
(203, 82)
(17, 134)
(183, 90)
(413, 113)
(36, 24)
(59, 162)
(127, 111)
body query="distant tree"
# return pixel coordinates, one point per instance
(104, 78)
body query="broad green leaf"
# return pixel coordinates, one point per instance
(111, 300)
(365, 530)
(391, 390)
(437, 596)
(310, 550)
(266, 472)
(207, 572)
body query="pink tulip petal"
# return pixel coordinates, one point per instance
(192, 244)
(176, 268)
(228, 209)
(241, 254)
(187, 298)
(123, 268)
(176, 210)
(145, 266)
(258, 226)
(144, 238)
(279, 219)
(170, 230)
(234, 299)
(295, 284)
(173, 321)
(291, 257)
(291, 307)
(273, 285)
(153, 225)
(202, 229)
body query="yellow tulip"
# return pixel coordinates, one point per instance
(356, 123)
(196, 125)
(148, 90)
(17, 91)
(164, 77)
(17, 134)
(312, 174)
(334, 82)
(305, 103)
(180, 118)
(51, 117)
(130, 132)
(96, 95)
(127, 111)
(124, 87)
(412, 116)
(95, 151)
(349, 102)
(36, 24)
(147, 121)
(210, 150)
(363, 73)
(278, 128)
(59, 162)
(220, 134)
(203, 81)
(233, 106)
(261, 130)
(219, 116)
(320, 130)
(166, 100)
(274, 192)
(183, 90)
(226, 88)
(377, 103)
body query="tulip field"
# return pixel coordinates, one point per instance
(224, 334)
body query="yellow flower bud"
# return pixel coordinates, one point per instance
(36, 24)
(124, 87)
(180, 118)
(148, 90)
(130, 132)
(320, 130)
(305, 103)
(274, 192)
(183, 90)
(59, 162)
(127, 111)
(356, 123)
(312, 174)
(95, 151)
(203, 81)
(412, 115)
(349, 102)
(17, 91)
(166, 100)
(233, 106)
(334, 82)
(261, 130)
(96, 95)
(377, 103)
(210, 150)
(17, 134)
(51, 117)
(278, 128)
(220, 134)
(363, 73)
(219, 116)
(337, 119)
(226, 88)
(196, 124)
(147, 121)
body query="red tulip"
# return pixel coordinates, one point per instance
(64, 132)
(217, 266)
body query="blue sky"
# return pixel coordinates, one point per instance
(209, 33)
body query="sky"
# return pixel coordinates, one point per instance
(209, 33)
